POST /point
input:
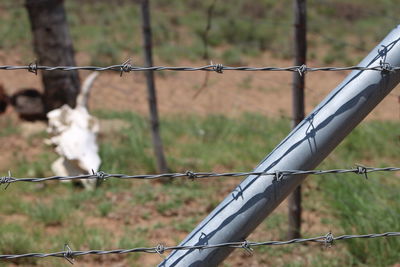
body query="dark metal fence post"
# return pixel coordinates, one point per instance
(151, 88)
(300, 52)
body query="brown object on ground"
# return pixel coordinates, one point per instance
(3, 100)
(53, 46)
(29, 105)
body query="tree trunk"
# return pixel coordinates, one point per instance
(53, 46)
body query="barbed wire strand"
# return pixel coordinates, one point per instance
(219, 68)
(101, 175)
(327, 240)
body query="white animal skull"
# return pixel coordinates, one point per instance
(74, 134)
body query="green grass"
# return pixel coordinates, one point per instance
(15, 239)
(239, 32)
(348, 203)
(186, 224)
(133, 239)
(368, 206)
(105, 208)
(198, 142)
(51, 214)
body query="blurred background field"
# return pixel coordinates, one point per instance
(230, 126)
(336, 29)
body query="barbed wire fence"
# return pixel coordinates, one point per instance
(327, 239)
(218, 68)
(127, 67)
(70, 254)
(278, 175)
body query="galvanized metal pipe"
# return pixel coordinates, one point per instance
(304, 148)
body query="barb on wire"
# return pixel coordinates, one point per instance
(32, 67)
(327, 240)
(277, 174)
(125, 67)
(6, 180)
(68, 255)
(219, 68)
